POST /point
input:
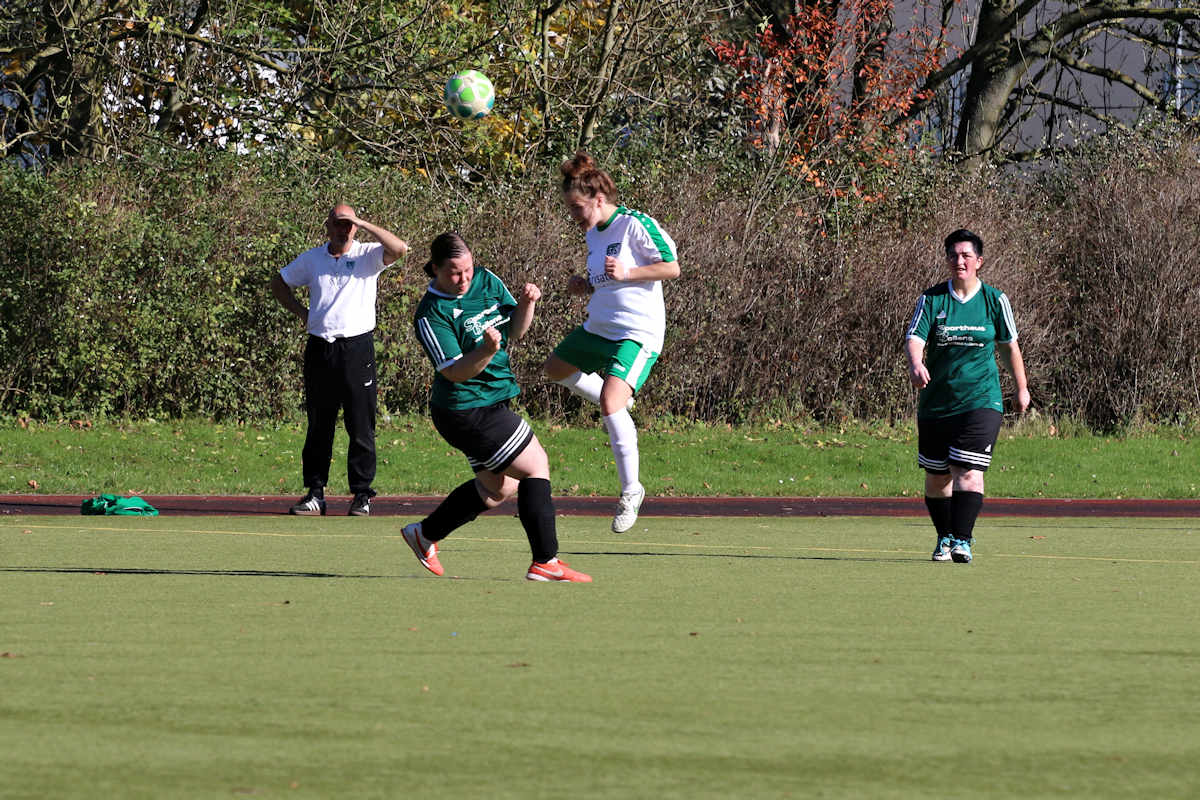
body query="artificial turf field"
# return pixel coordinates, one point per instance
(194, 657)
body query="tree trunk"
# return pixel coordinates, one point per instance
(606, 70)
(993, 77)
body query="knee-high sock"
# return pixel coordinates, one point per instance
(964, 510)
(939, 512)
(622, 435)
(536, 510)
(460, 507)
(585, 384)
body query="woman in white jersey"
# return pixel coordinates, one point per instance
(606, 360)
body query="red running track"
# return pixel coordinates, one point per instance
(410, 507)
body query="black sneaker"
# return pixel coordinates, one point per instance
(361, 505)
(309, 506)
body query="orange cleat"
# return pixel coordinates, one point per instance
(425, 550)
(555, 570)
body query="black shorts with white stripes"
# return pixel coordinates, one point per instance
(965, 440)
(491, 437)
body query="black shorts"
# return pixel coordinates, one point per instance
(491, 437)
(965, 440)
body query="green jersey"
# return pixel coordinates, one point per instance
(448, 326)
(960, 338)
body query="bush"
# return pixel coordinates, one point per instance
(140, 288)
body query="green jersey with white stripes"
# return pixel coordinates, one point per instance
(960, 336)
(448, 326)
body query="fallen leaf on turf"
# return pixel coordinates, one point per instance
(26, 531)
(10, 655)
(32, 484)
(424, 688)
(694, 633)
(1037, 537)
(517, 664)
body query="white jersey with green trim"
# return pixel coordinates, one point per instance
(628, 309)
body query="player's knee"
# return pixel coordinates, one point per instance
(496, 492)
(491, 492)
(968, 480)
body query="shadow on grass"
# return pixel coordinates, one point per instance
(271, 573)
(847, 558)
(227, 573)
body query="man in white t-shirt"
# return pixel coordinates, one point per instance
(339, 358)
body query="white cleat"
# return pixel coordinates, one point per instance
(627, 509)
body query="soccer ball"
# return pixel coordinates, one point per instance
(469, 95)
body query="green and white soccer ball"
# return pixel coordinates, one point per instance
(469, 95)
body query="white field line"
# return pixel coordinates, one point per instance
(600, 542)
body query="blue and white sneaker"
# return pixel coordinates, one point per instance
(960, 552)
(942, 551)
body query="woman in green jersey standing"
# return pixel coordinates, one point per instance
(607, 358)
(464, 323)
(958, 327)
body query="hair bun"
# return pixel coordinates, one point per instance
(582, 163)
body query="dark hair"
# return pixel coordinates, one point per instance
(580, 174)
(445, 247)
(963, 235)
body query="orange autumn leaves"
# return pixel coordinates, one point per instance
(828, 88)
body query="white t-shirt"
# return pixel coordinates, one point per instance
(628, 309)
(341, 290)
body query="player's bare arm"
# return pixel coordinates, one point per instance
(522, 316)
(658, 271)
(394, 248)
(287, 298)
(474, 362)
(1014, 362)
(917, 372)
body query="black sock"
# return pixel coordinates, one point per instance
(939, 512)
(460, 507)
(964, 510)
(317, 492)
(536, 510)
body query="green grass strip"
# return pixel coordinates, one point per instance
(678, 458)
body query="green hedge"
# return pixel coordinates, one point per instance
(140, 288)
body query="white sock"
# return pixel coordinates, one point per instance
(622, 435)
(584, 384)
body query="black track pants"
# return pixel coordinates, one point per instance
(340, 375)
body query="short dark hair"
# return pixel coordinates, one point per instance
(445, 247)
(963, 235)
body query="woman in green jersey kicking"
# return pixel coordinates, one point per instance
(607, 359)
(464, 323)
(958, 327)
